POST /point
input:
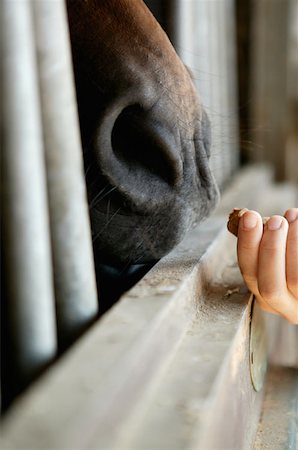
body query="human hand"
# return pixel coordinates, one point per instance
(268, 260)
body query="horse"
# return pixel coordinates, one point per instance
(145, 135)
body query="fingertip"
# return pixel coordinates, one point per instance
(250, 220)
(291, 214)
(276, 223)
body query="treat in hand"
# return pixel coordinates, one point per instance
(234, 219)
(268, 258)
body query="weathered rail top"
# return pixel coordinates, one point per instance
(167, 365)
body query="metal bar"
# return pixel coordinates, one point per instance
(232, 82)
(217, 155)
(205, 40)
(29, 301)
(223, 80)
(269, 98)
(75, 287)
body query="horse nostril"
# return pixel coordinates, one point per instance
(141, 144)
(137, 154)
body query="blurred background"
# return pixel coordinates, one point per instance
(244, 58)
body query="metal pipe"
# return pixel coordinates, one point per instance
(29, 301)
(75, 286)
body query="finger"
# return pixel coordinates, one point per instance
(292, 252)
(272, 268)
(250, 232)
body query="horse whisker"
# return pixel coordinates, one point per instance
(106, 225)
(98, 197)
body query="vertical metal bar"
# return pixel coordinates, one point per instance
(228, 85)
(291, 156)
(216, 79)
(184, 33)
(30, 301)
(269, 81)
(232, 85)
(198, 42)
(223, 80)
(202, 69)
(204, 38)
(216, 160)
(75, 287)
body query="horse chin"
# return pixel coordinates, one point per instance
(136, 239)
(123, 237)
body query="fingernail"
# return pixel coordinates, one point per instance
(250, 220)
(291, 216)
(274, 223)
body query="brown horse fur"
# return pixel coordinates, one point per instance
(146, 137)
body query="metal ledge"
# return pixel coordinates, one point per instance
(168, 365)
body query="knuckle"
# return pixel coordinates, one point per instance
(247, 246)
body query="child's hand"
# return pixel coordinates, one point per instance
(269, 261)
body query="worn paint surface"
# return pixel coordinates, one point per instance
(279, 419)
